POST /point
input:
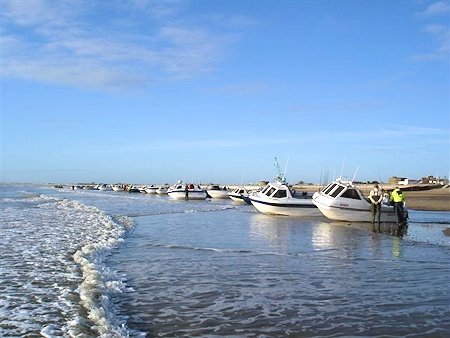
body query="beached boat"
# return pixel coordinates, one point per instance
(104, 187)
(215, 191)
(240, 195)
(341, 200)
(133, 189)
(151, 189)
(181, 191)
(162, 190)
(117, 187)
(277, 198)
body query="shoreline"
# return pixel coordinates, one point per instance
(434, 199)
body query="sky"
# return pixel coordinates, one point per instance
(144, 91)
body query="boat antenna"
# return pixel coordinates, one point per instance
(321, 176)
(379, 175)
(353, 179)
(342, 167)
(280, 176)
(285, 168)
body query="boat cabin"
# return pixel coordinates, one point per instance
(343, 189)
(240, 191)
(282, 191)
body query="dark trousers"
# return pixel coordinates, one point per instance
(376, 211)
(398, 207)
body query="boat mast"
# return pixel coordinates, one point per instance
(280, 176)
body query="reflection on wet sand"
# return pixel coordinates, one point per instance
(385, 228)
(275, 230)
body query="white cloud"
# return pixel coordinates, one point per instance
(133, 46)
(437, 8)
(439, 32)
(441, 35)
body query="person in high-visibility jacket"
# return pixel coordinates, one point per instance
(398, 198)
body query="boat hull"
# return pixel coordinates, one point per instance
(239, 198)
(218, 193)
(304, 207)
(161, 191)
(192, 194)
(341, 210)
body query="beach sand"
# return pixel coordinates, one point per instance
(431, 200)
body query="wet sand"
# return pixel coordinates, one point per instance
(430, 200)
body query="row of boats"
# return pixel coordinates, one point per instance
(340, 200)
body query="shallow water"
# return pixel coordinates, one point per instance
(111, 264)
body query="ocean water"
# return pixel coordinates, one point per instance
(112, 264)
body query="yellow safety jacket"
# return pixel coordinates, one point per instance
(397, 196)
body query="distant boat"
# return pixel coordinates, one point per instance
(104, 187)
(240, 195)
(341, 200)
(151, 189)
(117, 187)
(277, 198)
(215, 191)
(181, 191)
(162, 190)
(131, 188)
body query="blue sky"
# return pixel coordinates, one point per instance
(212, 91)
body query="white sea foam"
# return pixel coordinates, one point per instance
(52, 256)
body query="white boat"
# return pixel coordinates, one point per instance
(240, 195)
(181, 191)
(162, 190)
(117, 188)
(151, 189)
(104, 187)
(341, 200)
(215, 191)
(277, 198)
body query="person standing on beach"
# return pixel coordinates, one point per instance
(398, 198)
(376, 198)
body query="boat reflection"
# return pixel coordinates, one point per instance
(385, 228)
(280, 232)
(273, 231)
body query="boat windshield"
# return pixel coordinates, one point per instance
(265, 189)
(280, 194)
(351, 193)
(337, 191)
(329, 188)
(270, 191)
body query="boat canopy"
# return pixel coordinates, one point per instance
(342, 189)
(240, 191)
(277, 189)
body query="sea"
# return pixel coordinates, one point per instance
(89, 263)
